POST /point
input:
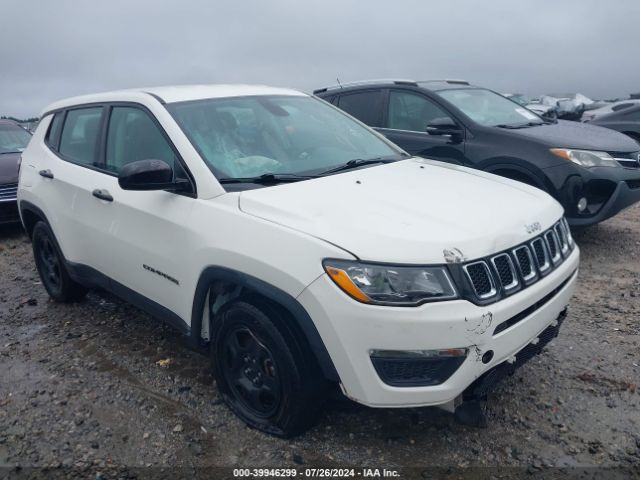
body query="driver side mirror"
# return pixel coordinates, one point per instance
(147, 175)
(443, 126)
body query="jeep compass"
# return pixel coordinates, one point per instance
(302, 248)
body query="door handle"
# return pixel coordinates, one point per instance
(46, 173)
(102, 195)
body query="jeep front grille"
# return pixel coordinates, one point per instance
(508, 272)
(9, 192)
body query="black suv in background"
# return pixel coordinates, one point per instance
(593, 172)
(13, 140)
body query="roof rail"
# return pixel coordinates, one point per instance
(397, 81)
(452, 81)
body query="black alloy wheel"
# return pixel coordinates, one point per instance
(251, 372)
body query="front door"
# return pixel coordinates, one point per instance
(143, 242)
(408, 116)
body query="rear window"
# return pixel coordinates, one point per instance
(80, 134)
(53, 135)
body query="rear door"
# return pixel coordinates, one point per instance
(407, 116)
(68, 170)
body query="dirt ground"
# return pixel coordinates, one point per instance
(99, 389)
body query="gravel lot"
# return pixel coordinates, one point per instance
(99, 389)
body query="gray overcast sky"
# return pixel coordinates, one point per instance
(55, 49)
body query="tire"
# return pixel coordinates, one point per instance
(51, 266)
(264, 373)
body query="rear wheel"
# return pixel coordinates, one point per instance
(51, 268)
(263, 372)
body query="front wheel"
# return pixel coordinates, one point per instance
(51, 267)
(263, 371)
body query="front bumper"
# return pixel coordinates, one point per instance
(608, 191)
(9, 212)
(351, 330)
(9, 203)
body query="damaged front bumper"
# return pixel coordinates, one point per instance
(351, 331)
(487, 382)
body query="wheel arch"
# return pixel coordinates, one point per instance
(513, 169)
(30, 215)
(289, 305)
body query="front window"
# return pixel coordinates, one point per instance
(408, 111)
(13, 139)
(285, 135)
(131, 136)
(490, 109)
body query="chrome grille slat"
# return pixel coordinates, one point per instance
(541, 255)
(567, 231)
(481, 279)
(8, 192)
(506, 271)
(524, 260)
(562, 236)
(553, 245)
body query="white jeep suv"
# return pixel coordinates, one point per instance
(301, 246)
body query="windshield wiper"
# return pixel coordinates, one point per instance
(7, 153)
(514, 126)
(357, 162)
(267, 179)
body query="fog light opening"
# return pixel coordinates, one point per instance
(487, 357)
(582, 204)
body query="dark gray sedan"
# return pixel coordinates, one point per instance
(626, 120)
(13, 140)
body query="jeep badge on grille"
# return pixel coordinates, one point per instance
(533, 227)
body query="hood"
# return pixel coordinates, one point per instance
(408, 211)
(9, 167)
(567, 134)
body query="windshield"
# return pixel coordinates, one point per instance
(13, 139)
(488, 108)
(247, 137)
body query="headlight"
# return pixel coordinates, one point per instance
(586, 158)
(391, 285)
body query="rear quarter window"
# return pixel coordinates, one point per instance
(55, 127)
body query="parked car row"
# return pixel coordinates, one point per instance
(307, 251)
